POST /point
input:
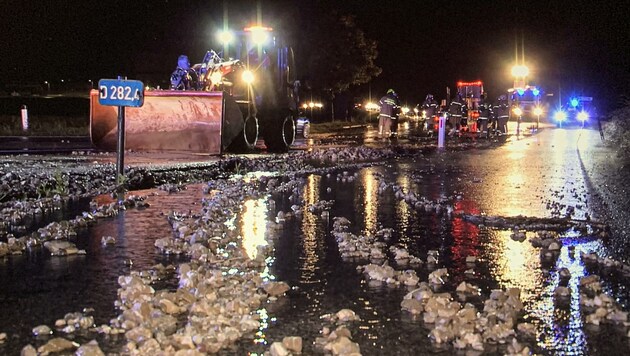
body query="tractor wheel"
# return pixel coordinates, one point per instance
(279, 134)
(246, 140)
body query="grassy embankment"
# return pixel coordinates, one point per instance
(11, 125)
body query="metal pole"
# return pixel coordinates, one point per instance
(120, 159)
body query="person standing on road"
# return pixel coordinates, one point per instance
(455, 112)
(485, 112)
(429, 109)
(387, 119)
(502, 113)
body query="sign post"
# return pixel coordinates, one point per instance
(441, 130)
(121, 93)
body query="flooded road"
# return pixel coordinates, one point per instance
(545, 175)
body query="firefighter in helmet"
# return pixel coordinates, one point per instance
(388, 117)
(181, 78)
(502, 113)
(429, 109)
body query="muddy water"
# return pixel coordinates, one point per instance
(39, 289)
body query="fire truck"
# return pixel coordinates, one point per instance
(471, 93)
(525, 103)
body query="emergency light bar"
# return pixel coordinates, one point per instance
(257, 29)
(463, 84)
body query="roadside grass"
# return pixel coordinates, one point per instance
(11, 125)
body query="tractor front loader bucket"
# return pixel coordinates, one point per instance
(170, 120)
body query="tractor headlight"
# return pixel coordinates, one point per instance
(248, 77)
(216, 77)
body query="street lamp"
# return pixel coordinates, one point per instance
(538, 111)
(48, 86)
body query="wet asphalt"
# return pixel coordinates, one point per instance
(549, 173)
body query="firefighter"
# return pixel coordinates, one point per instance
(429, 109)
(456, 110)
(387, 119)
(502, 113)
(181, 79)
(485, 113)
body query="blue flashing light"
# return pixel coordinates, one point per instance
(574, 102)
(520, 92)
(536, 92)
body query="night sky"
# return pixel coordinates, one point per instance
(571, 47)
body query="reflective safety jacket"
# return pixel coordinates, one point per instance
(485, 111)
(501, 110)
(456, 109)
(429, 107)
(390, 106)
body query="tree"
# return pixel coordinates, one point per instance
(335, 53)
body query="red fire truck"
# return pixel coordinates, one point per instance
(472, 93)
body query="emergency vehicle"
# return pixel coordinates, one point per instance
(471, 93)
(524, 102)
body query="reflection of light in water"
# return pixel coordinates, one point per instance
(564, 328)
(370, 201)
(517, 149)
(402, 208)
(254, 224)
(517, 264)
(264, 324)
(311, 257)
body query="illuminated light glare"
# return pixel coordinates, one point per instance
(371, 106)
(248, 77)
(260, 36)
(311, 242)
(216, 77)
(536, 92)
(416, 111)
(225, 37)
(574, 102)
(404, 110)
(582, 116)
(560, 116)
(311, 104)
(518, 111)
(254, 226)
(520, 71)
(538, 111)
(305, 106)
(370, 201)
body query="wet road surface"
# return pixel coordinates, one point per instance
(548, 174)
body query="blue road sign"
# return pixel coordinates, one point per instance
(118, 92)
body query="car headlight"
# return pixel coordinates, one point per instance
(560, 116)
(582, 116)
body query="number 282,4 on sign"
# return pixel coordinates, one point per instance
(120, 92)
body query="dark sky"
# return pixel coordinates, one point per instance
(580, 47)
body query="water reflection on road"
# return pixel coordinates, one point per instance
(537, 176)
